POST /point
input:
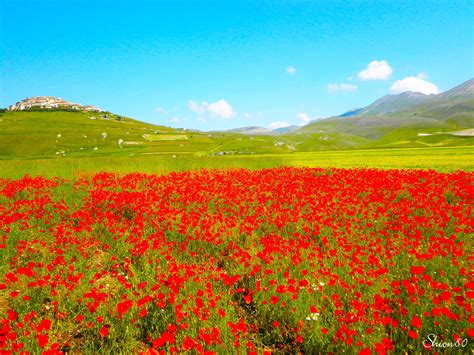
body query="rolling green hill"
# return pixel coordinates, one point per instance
(54, 134)
(58, 133)
(408, 120)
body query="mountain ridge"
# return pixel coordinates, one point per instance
(405, 120)
(392, 103)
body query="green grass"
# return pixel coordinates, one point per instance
(33, 134)
(165, 137)
(30, 134)
(44, 134)
(443, 159)
(67, 144)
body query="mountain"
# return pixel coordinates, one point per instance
(393, 103)
(405, 120)
(350, 113)
(463, 91)
(255, 130)
(251, 130)
(389, 104)
(286, 129)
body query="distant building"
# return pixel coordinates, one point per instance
(92, 108)
(49, 103)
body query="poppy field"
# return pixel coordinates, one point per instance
(280, 260)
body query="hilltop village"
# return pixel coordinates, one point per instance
(51, 103)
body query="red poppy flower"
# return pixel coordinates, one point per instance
(104, 331)
(416, 322)
(412, 334)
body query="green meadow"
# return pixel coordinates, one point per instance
(441, 159)
(68, 144)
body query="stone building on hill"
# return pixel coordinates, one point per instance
(49, 103)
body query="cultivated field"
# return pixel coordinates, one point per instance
(441, 159)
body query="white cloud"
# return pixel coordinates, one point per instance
(376, 70)
(247, 115)
(342, 87)
(219, 108)
(350, 78)
(416, 84)
(278, 124)
(222, 109)
(175, 119)
(291, 70)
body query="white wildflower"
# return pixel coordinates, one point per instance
(313, 316)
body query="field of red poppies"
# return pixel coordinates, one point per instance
(224, 261)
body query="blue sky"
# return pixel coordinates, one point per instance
(224, 64)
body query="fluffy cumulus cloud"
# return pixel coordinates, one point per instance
(222, 109)
(376, 70)
(414, 83)
(219, 108)
(291, 70)
(342, 87)
(278, 124)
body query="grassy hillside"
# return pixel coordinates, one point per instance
(41, 134)
(394, 130)
(408, 120)
(57, 133)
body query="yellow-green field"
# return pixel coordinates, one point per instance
(440, 159)
(165, 137)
